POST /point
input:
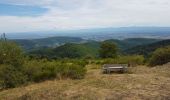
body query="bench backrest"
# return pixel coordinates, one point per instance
(114, 65)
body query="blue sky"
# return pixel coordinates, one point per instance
(41, 15)
(21, 10)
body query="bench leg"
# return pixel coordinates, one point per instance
(108, 72)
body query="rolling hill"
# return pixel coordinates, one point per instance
(89, 48)
(147, 49)
(29, 44)
(132, 42)
(69, 50)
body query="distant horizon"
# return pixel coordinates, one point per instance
(98, 33)
(65, 30)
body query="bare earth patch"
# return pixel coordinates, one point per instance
(142, 83)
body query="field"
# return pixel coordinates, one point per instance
(140, 83)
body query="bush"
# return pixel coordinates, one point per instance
(39, 70)
(11, 54)
(10, 77)
(81, 62)
(72, 71)
(160, 56)
(11, 61)
(132, 60)
(43, 70)
(76, 71)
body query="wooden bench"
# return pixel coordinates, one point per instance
(121, 68)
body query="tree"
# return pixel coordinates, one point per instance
(160, 56)
(108, 50)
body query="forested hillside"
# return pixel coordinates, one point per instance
(147, 49)
(30, 44)
(46, 42)
(87, 49)
(69, 50)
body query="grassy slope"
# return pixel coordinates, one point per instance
(144, 84)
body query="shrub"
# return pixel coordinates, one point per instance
(11, 54)
(43, 70)
(40, 70)
(132, 60)
(82, 62)
(88, 57)
(160, 56)
(11, 61)
(10, 77)
(72, 71)
(76, 71)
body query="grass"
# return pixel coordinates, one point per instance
(143, 83)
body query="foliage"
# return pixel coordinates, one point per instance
(28, 44)
(11, 54)
(11, 77)
(132, 60)
(43, 70)
(69, 50)
(160, 56)
(58, 41)
(40, 70)
(16, 70)
(108, 50)
(81, 49)
(146, 50)
(11, 61)
(72, 71)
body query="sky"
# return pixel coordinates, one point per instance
(43, 15)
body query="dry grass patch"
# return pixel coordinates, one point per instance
(142, 84)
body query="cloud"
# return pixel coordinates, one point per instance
(76, 14)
